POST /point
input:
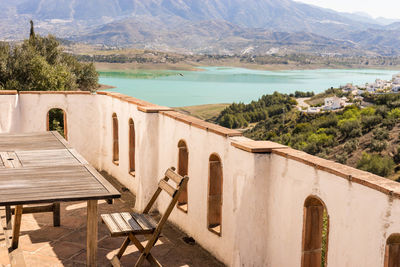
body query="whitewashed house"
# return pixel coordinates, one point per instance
(396, 81)
(332, 103)
(371, 87)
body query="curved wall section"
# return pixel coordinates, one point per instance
(264, 184)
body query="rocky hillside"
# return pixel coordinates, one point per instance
(212, 26)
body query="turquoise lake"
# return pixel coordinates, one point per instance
(227, 85)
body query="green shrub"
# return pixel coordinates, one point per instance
(327, 121)
(302, 128)
(379, 165)
(389, 123)
(321, 139)
(329, 131)
(381, 110)
(396, 156)
(350, 128)
(351, 112)
(350, 146)
(341, 158)
(380, 134)
(394, 113)
(378, 145)
(369, 111)
(369, 121)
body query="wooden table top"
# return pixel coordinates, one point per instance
(32, 141)
(43, 168)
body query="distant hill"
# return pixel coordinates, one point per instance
(217, 26)
(278, 15)
(219, 37)
(383, 42)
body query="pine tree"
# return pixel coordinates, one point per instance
(32, 37)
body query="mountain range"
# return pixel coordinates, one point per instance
(207, 26)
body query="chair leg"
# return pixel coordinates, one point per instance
(123, 247)
(153, 261)
(142, 249)
(56, 214)
(115, 261)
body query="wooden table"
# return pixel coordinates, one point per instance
(43, 168)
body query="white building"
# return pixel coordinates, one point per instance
(332, 103)
(396, 81)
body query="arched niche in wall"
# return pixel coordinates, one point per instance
(392, 251)
(57, 121)
(115, 139)
(215, 183)
(315, 233)
(183, 165)
(132, 147)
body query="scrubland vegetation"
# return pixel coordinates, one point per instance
(367, 138)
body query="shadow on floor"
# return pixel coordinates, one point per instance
(44, 245)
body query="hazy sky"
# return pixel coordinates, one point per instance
(376, 8)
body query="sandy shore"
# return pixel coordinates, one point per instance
(190, 66)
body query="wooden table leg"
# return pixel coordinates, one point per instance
(17, 226)
(91, 234)
(56, 214)
(8, 217)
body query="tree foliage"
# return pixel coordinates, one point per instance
(39, 64)
(380, 165)
(240, 115)
(56, 120)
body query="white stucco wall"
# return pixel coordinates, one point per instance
(263, 194)
(8, 113)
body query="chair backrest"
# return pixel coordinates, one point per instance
(180, 182)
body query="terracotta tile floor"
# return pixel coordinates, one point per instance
(44, 245)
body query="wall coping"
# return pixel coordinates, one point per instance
(198, 123)
(8, 92)
(257, 146)
(148, 107)
(143, 106)
(55, 92)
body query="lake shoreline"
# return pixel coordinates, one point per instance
(111, 67)
(104, 87)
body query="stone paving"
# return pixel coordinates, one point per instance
(44, 245)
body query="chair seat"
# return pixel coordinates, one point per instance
(120, 224)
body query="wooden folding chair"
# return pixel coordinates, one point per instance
(132, 224)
